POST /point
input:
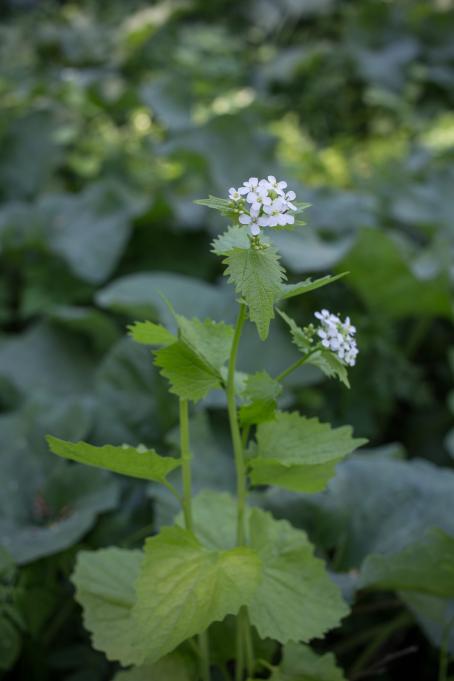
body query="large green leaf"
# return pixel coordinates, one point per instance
(300, 663)
(234, 237)
(138, 462)
(183, 587)
(298, 453)
(295, 600)
(426, 566)
(104, 582)
(257, 276)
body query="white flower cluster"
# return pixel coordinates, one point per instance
(270, 205)
(338, 336)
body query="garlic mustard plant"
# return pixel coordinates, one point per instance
(224, 565)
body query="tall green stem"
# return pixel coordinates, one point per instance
(187, 512)
(244, 644)
(235, 429)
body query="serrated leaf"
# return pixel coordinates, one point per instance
(299, 454)
(261, 392)
(137, 462)
(323, 359)
(426, 566)
(292, 290)
(149, 333)
(183, 587)
(211, 341)
(257, 276)
(104, 582)
(190, 377)
(295, 600)
(300, 663)
(234, 237)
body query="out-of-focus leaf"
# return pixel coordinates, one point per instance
(300, 663)
(174, 667)
(383, 278)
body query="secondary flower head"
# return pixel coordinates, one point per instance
(264, 203)
(338, 336)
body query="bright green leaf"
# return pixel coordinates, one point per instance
(426, 566)
(257, 276)
(183, 587)
(190, 377)
(224, 206)
(298, 453)
(138, 462)
(149, 333)
(104, 582)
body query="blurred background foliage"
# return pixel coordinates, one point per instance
(114, 117)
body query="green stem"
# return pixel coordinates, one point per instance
(235, 429)
(187, 512)
(186, 464)
(243, 629)
(249, 646)
(299, 362)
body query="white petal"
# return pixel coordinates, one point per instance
(243, 190)
(272, 180)
(245, 219)
(290, 219)
(290, 196)
(255, 229)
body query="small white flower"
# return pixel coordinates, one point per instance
(249, 186)
(234, 194)
(275, 185)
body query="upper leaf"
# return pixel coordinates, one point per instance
(183, 587)
(190, 376)
(292, 290)
(149, 333)
(298, 453)
(224, 206)
(257, 276)
(138, 462)
(300, 663)
(211, 341)
(234, 237)
(426, 566)
(104, 582)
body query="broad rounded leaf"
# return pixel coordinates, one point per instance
(190, 377)
(183, 587)
(104, 582)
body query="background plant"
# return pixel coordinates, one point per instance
(351, 102)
